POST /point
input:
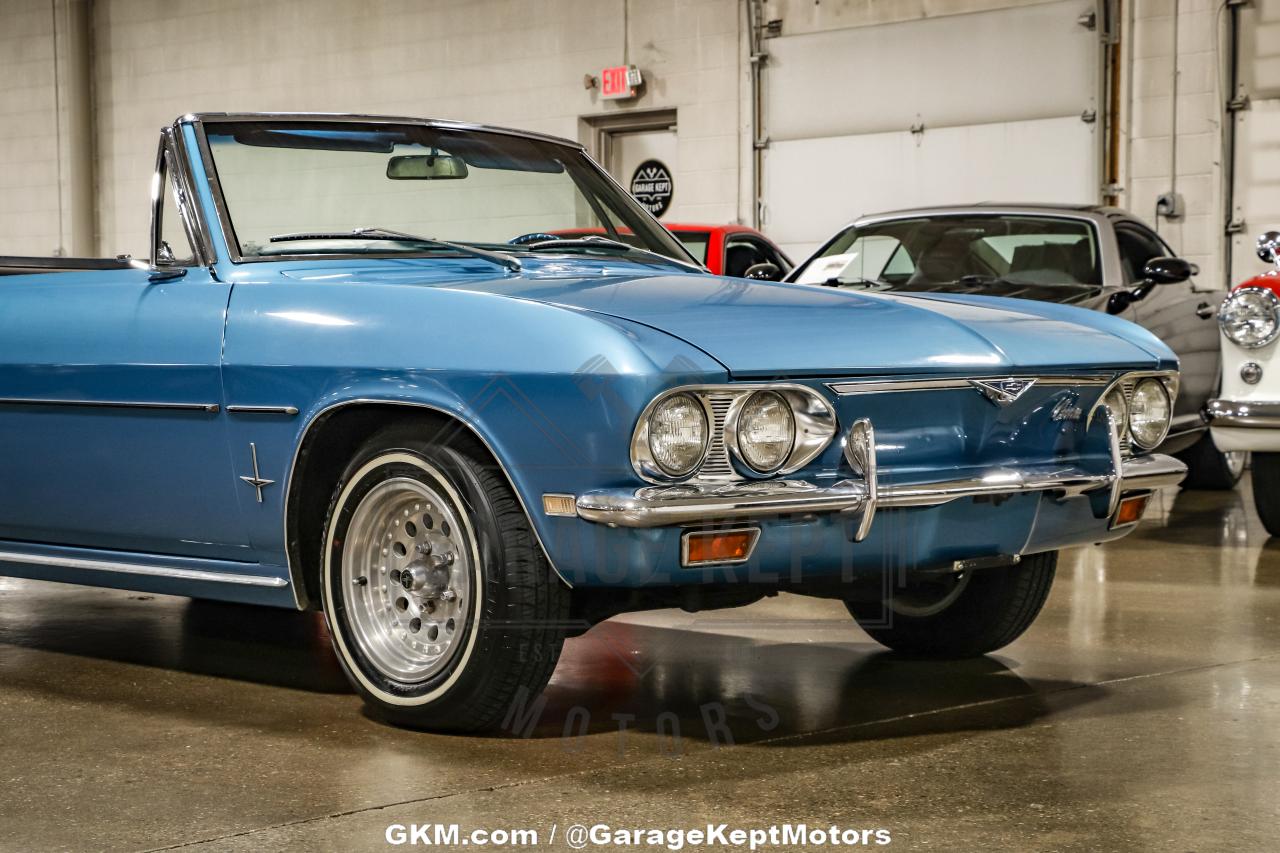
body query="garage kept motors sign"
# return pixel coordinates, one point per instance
(652, 186)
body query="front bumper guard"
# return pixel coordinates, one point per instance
(693, 503)
(1233, 413)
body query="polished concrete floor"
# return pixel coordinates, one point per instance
(1141, 712)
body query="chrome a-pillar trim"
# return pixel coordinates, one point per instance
(1241, 413)
(174, 572)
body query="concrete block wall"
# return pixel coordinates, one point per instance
(1174, 124)
(29, 192)
(519, 63)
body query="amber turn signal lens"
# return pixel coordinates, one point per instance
(730, 546)
(1130, 510)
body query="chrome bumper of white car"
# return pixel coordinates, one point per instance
(1233, 413)
(687, 503)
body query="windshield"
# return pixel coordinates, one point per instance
(932, 250)
(316, 187)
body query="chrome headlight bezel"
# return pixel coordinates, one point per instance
(735, 422)
(1124, 385)
(643, 458)
(1269, 301)
(1149, 443)
(813, 416)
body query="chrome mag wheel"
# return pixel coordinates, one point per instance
(407, 572)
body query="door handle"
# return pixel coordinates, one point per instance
(1204, 310)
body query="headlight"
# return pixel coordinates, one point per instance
(765, 431)
(1119, 408)
(1248, 317)
(678, 434)
(1150, 411)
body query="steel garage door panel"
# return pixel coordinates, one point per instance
(1007, 65)
(814, 186)
(1002, 123)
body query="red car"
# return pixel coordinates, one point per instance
(724, 249)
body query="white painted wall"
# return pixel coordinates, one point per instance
(512, 62)
(1174, 125)
(521, 63)
(29, 219)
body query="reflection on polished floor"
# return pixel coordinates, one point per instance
(1140, 712)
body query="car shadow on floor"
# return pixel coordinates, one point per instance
(731, 689)
(709, 686)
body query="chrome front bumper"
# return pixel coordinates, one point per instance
(686, 503)
(1231, 413)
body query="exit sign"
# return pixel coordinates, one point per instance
(619, 82)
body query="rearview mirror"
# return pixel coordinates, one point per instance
(1168, 270)
(426, 167)
(763, 272)
(1269, 247)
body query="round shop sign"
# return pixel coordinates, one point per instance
(651, 185)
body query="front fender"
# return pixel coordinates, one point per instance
(554, 393)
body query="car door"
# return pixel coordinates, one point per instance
(1182, 318)
(110, 402)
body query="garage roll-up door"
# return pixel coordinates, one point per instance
(954, 109)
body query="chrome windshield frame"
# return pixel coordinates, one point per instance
(232, 244)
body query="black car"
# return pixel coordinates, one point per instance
(1092, 256)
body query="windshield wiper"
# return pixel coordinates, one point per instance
(510, 262)
(592, 241)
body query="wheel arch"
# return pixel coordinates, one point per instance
(323, 450)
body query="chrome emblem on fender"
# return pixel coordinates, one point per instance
(1067, 409)
(1002, 392)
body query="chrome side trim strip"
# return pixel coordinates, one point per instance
(1231, 413)
(881, 386)
(262, 410)
(173, 572)
(111, 404)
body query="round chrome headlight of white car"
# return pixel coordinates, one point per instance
(678, 434)
(1250, 317)
(1150, 411)
(765, 431)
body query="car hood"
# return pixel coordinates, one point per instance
(758, 329)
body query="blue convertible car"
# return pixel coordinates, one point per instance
(360, 373)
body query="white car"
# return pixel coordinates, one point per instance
(1246, 415)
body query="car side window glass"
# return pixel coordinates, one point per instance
(771, 255)
(1136, 248)
(740, 256)
(175, 248)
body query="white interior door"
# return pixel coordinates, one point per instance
(627, 151)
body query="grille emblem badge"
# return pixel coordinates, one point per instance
(1002, 392)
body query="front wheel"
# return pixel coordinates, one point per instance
(959, 616)
(1266, 490)
(1209, 468)
(442, 608)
